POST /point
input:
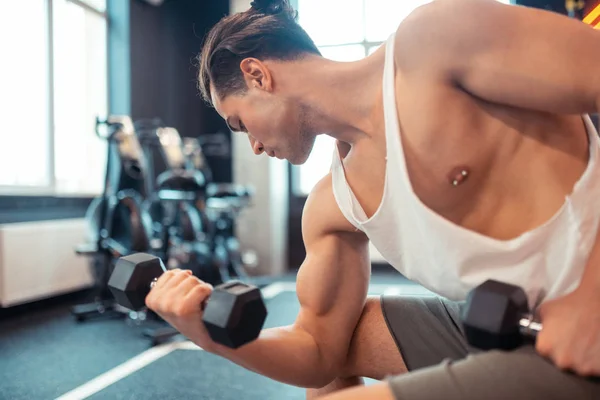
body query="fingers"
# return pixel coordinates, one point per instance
(589, 370)
(542, 345)
(199, 294)
(187, 284)
(178, 292)
(568, 355)
(165, 283)
(171, 279)
(553, 352)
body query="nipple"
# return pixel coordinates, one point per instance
(458, 175)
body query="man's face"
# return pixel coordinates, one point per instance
(273, 124)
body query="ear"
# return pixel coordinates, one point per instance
(256, 74)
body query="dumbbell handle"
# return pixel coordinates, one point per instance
(153, 283)
(529, 326)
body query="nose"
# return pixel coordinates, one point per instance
(257, 146)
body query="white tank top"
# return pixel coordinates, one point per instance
(449, 259)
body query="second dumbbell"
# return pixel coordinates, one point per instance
(497, 316)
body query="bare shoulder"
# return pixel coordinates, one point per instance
(437, 30)
(414, 40)
(437, 13)
(322, 215)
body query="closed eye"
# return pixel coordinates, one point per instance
(241, 127)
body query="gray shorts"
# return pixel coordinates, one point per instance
(429, 335)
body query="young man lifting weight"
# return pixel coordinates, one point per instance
(464, 153)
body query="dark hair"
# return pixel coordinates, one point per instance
(268, 30)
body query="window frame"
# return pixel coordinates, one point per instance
(296, 195)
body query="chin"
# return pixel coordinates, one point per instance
(298, 159)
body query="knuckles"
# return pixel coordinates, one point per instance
(585, 370)
(172, 301)
(543, 347)
(181, 310)
(567, 362)
(563, 361)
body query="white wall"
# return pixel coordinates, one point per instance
(38, 260)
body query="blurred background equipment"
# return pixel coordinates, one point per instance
(158, 199)
(118, 225)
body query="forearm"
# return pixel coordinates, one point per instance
(286, 354)
(331, 286)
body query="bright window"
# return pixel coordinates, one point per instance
(359, 27)
(57, 84)
(317, 16)
(382, 17)
(80, 94)
(350, 52)
(24, 97)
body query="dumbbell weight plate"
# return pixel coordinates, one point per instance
(131, 277)
(492, 314)
(235, 314)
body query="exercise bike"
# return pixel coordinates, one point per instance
(118, 225)
(220, 205)
(177, 200)
(225, 202)
(177, 204)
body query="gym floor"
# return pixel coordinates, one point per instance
(45, 354)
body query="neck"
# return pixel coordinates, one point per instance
(343, 99)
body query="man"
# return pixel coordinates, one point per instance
(464, 153)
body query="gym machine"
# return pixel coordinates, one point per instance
(177, 201)
(225, 203)
(194, 212)
(118, 225)
(197, 215)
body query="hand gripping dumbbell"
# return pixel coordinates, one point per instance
(496, 316)
(234, 314)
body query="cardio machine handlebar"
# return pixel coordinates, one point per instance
(113, 125)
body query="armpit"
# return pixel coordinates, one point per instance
(343, 147)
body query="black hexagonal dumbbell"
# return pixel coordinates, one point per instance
(496, 316)
(234, 314)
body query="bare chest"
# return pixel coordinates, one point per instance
(494, 170)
